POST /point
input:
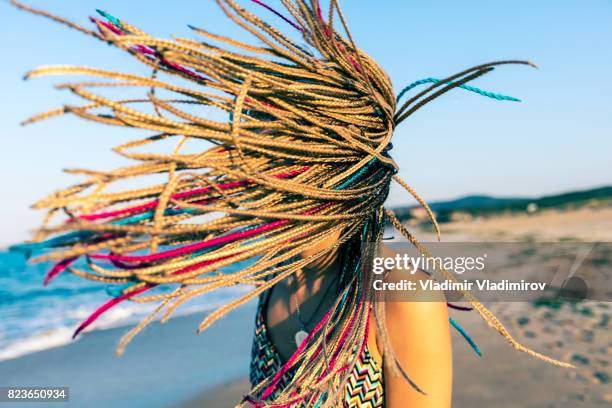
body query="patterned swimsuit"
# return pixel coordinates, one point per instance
(364, 388)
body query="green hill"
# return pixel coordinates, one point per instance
(487, 205)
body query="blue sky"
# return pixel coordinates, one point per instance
(557, 139)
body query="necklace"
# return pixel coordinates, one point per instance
(302, 333)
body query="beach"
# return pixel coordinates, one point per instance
(582, 224)
(164, 366)
(170, 366)
(502, 377)
(248, 168)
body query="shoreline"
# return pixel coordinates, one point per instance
(164, 366)
(169, 366)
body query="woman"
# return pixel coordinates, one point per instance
(289, 198)
(298, 303)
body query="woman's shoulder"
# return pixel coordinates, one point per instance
(408, 273)
(414, 313)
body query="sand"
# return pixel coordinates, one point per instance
(170, 366)
(584, 224)
(500, 378)
(164, 366)
(503, 377)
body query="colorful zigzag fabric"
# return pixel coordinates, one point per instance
(364, 388)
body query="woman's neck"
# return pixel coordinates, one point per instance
(317, 276)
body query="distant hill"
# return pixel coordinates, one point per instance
(474, 202)
(486, 205)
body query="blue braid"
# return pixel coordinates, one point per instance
(355, 176)
(110, 18)
(147, 215)
(62, 240)
(479, 91)
(465, 335)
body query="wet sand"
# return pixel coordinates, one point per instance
(164, 366)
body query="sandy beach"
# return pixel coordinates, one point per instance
(164, 366)
(583, 224)
(502, 377)
(169, 366)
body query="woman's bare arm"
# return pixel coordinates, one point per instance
(420, 335)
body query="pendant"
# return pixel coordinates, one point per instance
(300, 336)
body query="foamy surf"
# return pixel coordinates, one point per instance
(122, 316)
(34, 318)
(53, 338)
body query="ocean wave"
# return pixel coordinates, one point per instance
(56, 337)
(11, 297)
(58, 332)
(35, 318)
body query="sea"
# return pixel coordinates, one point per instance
(34, 317)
